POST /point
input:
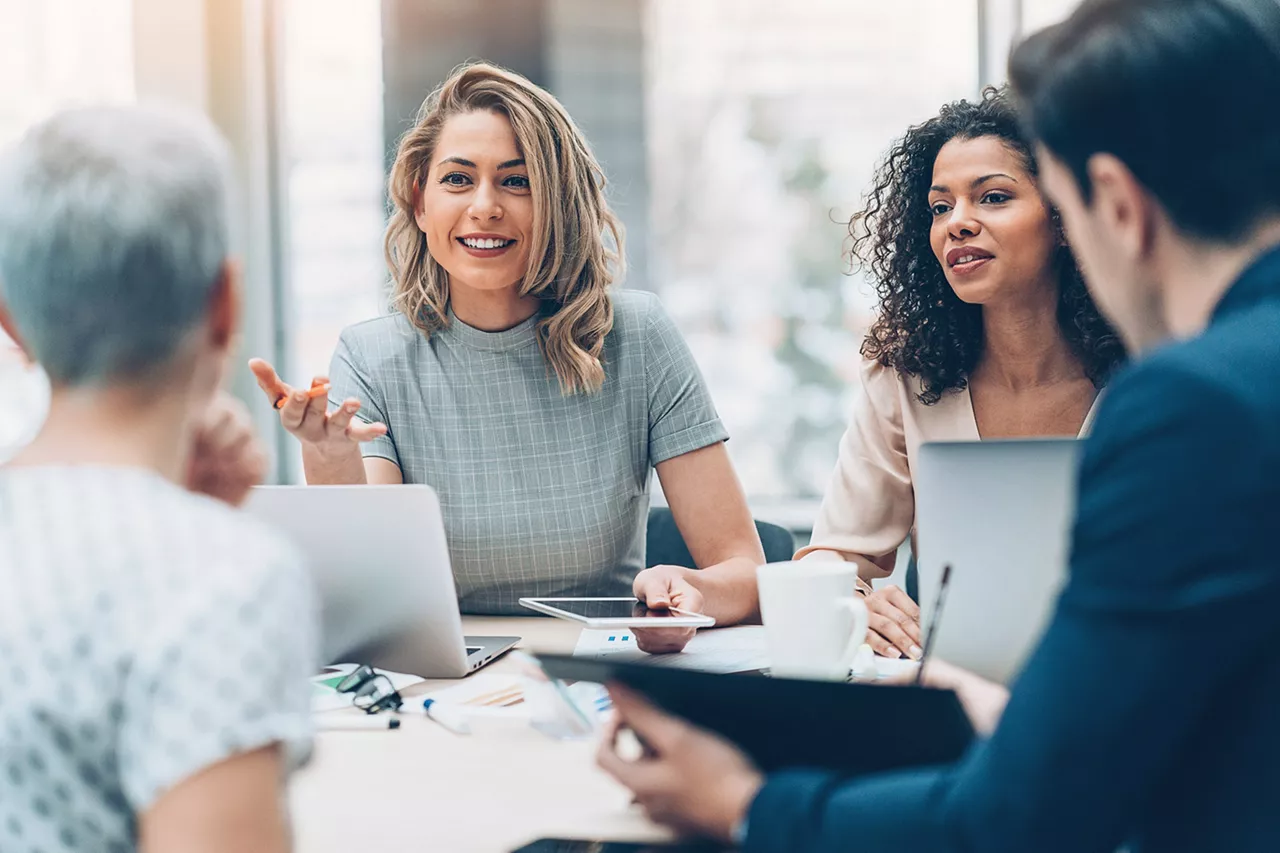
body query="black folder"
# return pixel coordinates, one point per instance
(792, 723)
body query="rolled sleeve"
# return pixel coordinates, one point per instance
(682, 416)
(226, 672)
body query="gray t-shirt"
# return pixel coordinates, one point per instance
(543, 494)
(145, 634)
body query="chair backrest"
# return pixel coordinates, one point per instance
(664, 546)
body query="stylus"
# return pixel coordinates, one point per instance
(934, 619)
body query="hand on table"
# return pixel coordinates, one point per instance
(688, 778)
(983, 700)
(893, 623)
(308, 418)
(227, 460)
(661, 588)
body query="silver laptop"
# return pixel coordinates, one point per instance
(1000, 513)
(381, 567)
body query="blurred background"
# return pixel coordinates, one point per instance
(738, 137)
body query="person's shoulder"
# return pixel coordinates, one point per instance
(218, 545)
(378, 326)
(384, 338)
(892, 392)
(880, 380)
(1211, 381)
(643, 331)
(1182, 442)
(635, 311)
(136, 531)
(189, 541)
(227, 525)
(1236, 355)
(1189, 417)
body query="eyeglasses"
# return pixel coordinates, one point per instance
(370, 691)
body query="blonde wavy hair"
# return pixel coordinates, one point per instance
(570, 264)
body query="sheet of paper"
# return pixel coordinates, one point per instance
(737, 649)
(482, 694)
(741, 648)
(895, 667)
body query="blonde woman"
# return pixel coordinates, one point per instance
(512, 380)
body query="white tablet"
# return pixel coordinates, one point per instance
(616, 613)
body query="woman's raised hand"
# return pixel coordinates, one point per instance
(305, 412)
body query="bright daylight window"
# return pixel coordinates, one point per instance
(765, 122)
(53, 54)
(332, 138)
(1038, 14)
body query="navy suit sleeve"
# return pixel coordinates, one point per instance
(1164, 558)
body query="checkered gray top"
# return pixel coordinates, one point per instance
(145, 634)
(543, 494)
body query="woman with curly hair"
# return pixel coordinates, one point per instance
(985, 330)
(512, 378)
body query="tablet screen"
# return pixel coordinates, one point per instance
(608, 608)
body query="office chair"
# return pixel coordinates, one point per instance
(664, 546)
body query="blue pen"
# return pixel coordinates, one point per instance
(451, 718)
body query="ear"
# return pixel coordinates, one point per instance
(11, 329)
(224, 306)
(1059, 229)
(1123, 205)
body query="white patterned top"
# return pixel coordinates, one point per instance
(146, 633)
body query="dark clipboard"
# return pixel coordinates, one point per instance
(792, 723)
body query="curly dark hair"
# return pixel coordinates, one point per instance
(923, 329)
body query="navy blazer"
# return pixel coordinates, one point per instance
(1149, 714)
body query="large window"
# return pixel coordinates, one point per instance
(765, 122)
(762, 123)
(53, 54)
(56, 53)
(741, 135)
(332, 144)
(1037, 14)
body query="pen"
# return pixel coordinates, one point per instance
(934, 619)
(312, 393)
(451, 718)
(357, 724)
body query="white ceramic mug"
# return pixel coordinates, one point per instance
(813, 618)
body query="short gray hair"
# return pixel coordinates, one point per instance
(113, 230)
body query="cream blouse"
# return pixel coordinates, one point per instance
(870, 506)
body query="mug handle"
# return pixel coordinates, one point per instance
(858, 608)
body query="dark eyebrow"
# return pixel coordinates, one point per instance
(510, 164)
(992, 176)
(937, 188)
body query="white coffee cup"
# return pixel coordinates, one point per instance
(814, 620)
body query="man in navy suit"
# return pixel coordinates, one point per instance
(1149, 715)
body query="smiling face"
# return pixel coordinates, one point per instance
(475, 206)
(991, 230)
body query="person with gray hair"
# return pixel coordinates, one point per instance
(155, 644)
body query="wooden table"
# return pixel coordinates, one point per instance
(422, 788)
